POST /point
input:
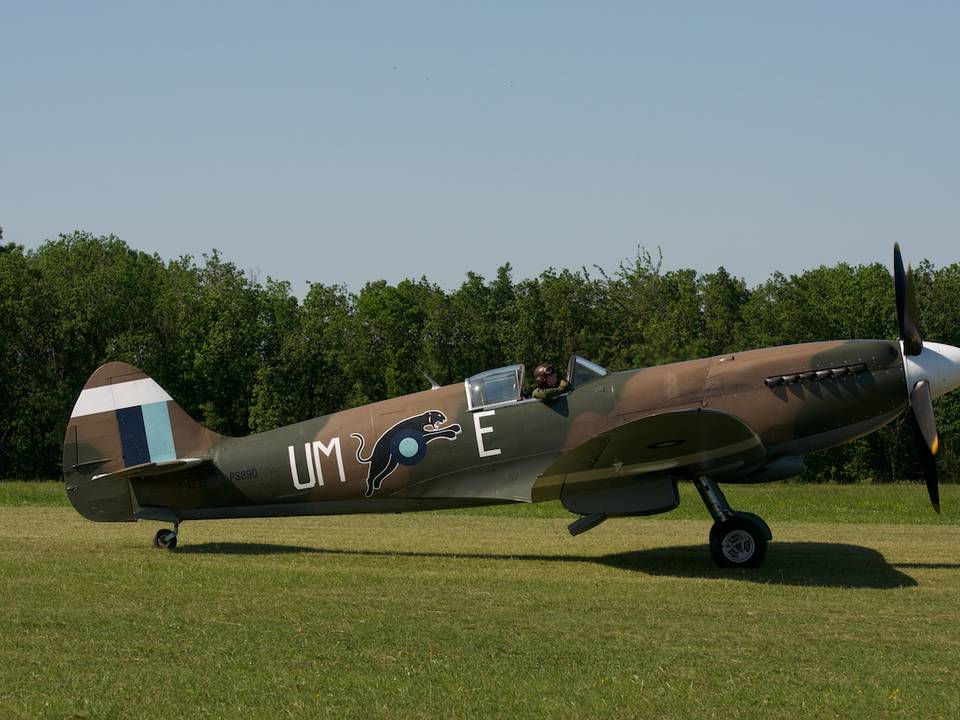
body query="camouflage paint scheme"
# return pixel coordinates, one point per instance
(615, 444)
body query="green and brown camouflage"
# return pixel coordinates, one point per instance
(615, 444)
(520, 451)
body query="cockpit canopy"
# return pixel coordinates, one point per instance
(494, 387)
(505, 385)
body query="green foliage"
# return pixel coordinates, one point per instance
(723, 297)
(245, 356)
(303, 374)
(30, 397)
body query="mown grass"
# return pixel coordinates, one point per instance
(493, 614)
(36, 493)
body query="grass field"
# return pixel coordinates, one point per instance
(487, 613)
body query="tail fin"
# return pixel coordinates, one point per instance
(124, 425)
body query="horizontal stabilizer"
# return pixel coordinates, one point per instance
(151, 469)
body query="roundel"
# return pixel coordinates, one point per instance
(408, 447)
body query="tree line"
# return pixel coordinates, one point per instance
(242, 356)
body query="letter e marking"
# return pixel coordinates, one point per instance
(481, 431)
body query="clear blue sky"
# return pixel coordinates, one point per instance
(347, 142)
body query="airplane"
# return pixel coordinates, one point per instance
(614, 445)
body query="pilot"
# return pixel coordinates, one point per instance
(548, 383)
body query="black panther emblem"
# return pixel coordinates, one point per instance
(403, 444)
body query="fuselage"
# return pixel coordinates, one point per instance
(796, 399)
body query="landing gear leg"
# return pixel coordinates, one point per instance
(737, 539)
(166, 539)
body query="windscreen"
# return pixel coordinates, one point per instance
(582, 371)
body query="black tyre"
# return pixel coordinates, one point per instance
(165, 539)
(738, 542)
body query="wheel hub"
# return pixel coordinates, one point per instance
(738, 546)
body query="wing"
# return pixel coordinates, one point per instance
(698, 440)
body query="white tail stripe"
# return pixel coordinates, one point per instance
(115, 397)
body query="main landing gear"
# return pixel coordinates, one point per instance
(737, 539)
(166, 539)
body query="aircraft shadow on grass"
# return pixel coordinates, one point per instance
(788, 563)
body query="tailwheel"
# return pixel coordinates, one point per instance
(165, 539)
(738, 542)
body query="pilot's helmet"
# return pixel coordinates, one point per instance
(541, 372)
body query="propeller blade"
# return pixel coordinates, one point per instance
(900, 285)
(928, 442)
(906, 305)
(922, 404)
(928, 467)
